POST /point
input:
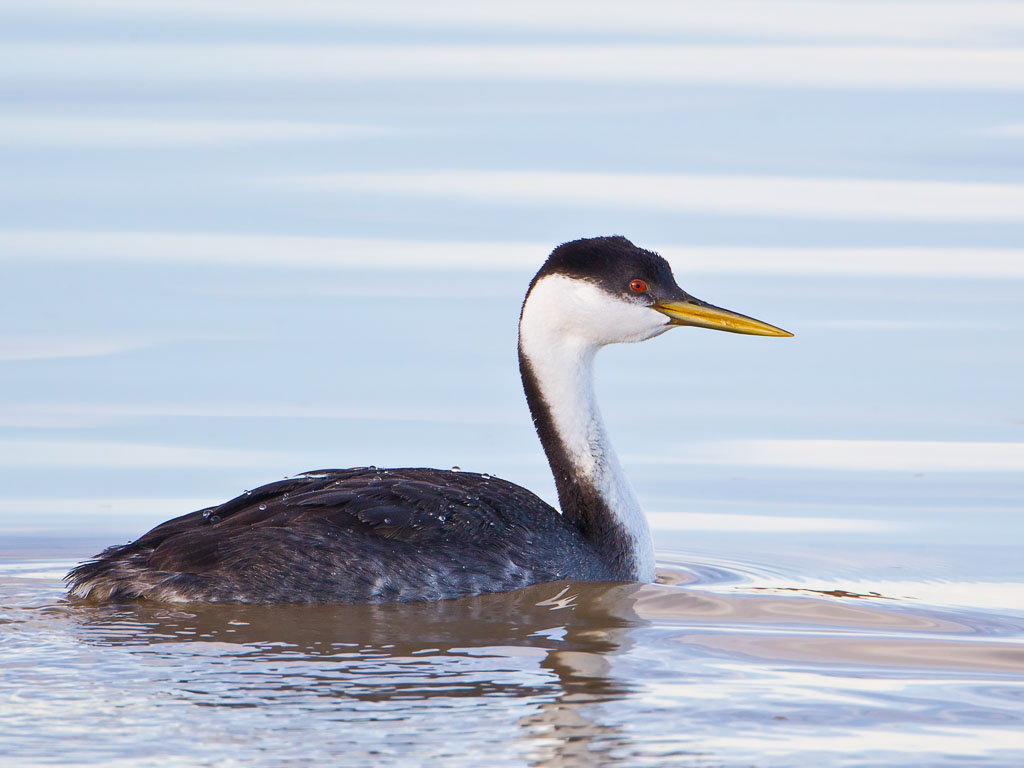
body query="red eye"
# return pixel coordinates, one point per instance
(638, 285)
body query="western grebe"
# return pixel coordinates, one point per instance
(381, 535)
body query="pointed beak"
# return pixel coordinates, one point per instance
(703, 315)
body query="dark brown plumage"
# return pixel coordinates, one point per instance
(353, 535)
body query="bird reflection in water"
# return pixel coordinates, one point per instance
(547, 645)
(565, 673)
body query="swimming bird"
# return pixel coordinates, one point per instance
(371, 535)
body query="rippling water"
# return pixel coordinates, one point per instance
(239, 241)
(701, 668)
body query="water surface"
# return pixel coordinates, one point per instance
(242, 242)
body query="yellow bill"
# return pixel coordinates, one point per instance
(702, 315)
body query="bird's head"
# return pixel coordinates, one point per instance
(605, 290)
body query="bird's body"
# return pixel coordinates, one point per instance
(382, 535)
(361, 535)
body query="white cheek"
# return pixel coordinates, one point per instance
(579, 309)
(615, 321)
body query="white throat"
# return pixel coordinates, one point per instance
(565, 322)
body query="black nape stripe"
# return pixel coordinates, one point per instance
(581, 503)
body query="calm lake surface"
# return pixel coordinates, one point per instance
(245, 241)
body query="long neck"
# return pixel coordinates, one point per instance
(594, 493)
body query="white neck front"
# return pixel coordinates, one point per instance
(560, 341)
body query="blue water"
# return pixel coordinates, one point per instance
(244, 241)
